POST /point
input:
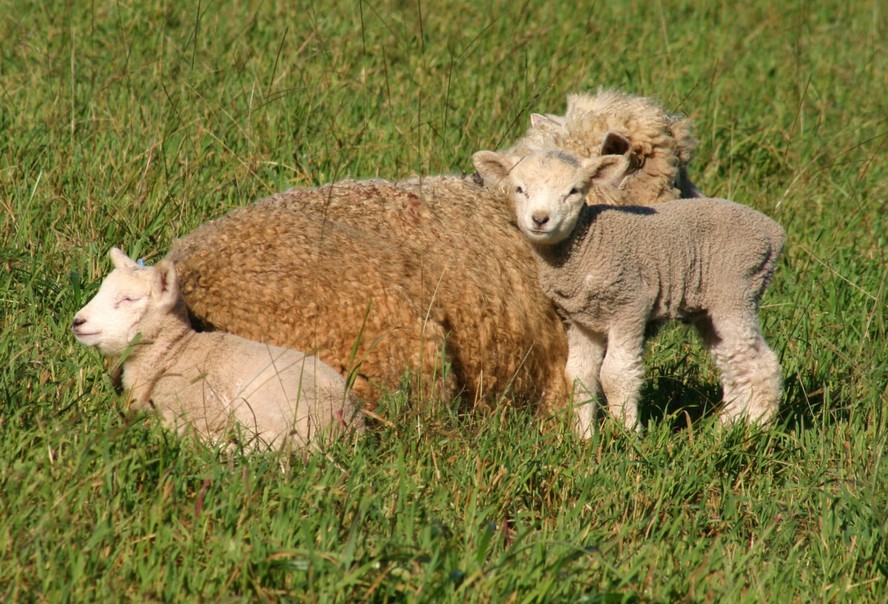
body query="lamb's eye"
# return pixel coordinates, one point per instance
(574, 191)
(519, 190)
(127, 299)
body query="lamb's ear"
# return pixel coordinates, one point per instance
(121, 260)
(614, 144)
(166, 284)
(607, 169)
(493, 167)
(546, 123)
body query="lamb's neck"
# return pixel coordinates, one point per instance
(149, 359)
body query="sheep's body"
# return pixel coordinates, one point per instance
(391, 275)
(209, 382)
(658, 145)
(613, 270)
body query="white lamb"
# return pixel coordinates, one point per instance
(611, 270)
(209, 382)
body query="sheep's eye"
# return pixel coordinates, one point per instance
(574, 191)
(127, 299)
(519, 190)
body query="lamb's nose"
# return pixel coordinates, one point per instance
(540, 219)
(78, 321)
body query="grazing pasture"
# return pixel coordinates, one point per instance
(131, 123)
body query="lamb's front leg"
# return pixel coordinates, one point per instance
(585, 351)
(622, 374)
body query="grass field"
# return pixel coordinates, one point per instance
(130, 123)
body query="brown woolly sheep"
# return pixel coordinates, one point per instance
(389, 277)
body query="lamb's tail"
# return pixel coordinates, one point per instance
(775, 243)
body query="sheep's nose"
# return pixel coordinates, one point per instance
(78, 321)
(540, 218)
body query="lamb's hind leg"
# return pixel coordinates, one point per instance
(750, 371)
(585, 351)
(622, 374)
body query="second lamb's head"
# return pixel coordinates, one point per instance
(132, 300)
(550, 188)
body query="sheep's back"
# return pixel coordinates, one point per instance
(693, 255)
(219, 379)
(288, 276)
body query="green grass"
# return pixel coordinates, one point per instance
(132, 123)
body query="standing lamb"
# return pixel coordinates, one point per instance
(208, 381)
(657, 145)
(612, 270)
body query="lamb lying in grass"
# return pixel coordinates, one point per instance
(208, 382)
(611, 270)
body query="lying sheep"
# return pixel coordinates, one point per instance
(208, 381)
(658, 146)
(613, 270)
(382, 278)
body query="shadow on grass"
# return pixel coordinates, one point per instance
(679, 402)
(806, 402)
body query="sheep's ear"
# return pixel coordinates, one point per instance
(121, 260)
(546, 123)
(166, 284)
(687, 188)
(607, 169)
(493, 167)
(614, 144)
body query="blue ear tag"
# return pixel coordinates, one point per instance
(141, 262)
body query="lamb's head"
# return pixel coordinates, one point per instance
(550, 188)
(132, 300)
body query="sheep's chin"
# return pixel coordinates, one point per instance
(543, 237)
(88, 339)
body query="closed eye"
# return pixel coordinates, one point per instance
(127, 299)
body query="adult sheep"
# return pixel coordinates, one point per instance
(657, 145)
(379, 278)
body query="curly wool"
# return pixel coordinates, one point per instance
(379, 278)
(660, 145)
